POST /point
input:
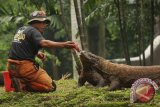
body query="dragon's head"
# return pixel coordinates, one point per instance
(88, 58)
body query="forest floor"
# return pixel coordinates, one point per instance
(69, 95)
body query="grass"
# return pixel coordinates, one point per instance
(68, 95)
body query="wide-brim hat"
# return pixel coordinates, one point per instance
(38, 16)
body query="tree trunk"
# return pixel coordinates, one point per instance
(85, 41)
(80, 24)
(96, 33)
(51, 67)
(125, 37)
(141, 34)
(101, 36)
(63, 21)
(152, 30)
(121, 16)
(138, 31)
(74, 29)
(157, 25)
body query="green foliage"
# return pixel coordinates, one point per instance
(108, 9)
(48, 57)
(68, 95)
(15, 13)
(4, 46)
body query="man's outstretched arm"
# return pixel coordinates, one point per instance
(52, 44)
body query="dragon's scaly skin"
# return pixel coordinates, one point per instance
(119, 75)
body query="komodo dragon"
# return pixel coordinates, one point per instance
(119, 75)
(87, 73)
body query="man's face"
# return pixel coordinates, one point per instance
(41, 26)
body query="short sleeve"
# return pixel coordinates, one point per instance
(36, 36)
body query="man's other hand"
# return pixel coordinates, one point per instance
(41, 56)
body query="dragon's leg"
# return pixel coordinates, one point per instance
(81, 81)
(114, 83)
(101, 83)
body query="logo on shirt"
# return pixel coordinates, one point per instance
(19, 36)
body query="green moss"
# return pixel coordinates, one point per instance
(68, 95)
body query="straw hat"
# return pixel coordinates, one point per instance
(38, 16)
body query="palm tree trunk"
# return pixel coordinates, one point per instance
(80, 24)
(122, 30)
(123, 4)
(142, 40)
(138, 31)
(101, 38)
(63, 21)
(85, 41)
(74, 31)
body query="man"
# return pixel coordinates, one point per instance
(26, 75)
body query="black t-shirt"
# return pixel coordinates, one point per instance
(25, 44)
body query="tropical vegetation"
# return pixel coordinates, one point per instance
(108, 28)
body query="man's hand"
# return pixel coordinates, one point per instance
(72, 45)
(69, 44)
(41, 56)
